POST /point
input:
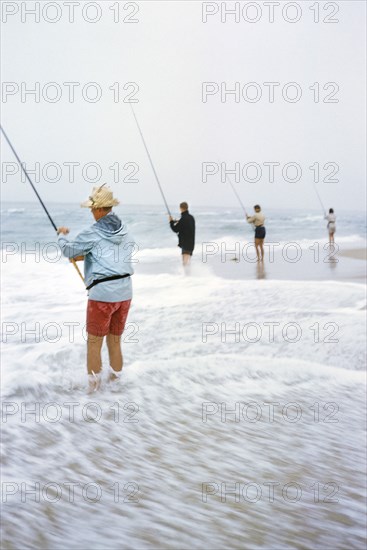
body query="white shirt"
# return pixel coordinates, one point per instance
(257, 219)
(331, 218)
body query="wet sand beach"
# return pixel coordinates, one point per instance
(294, 265)
(355, 253)
(281, 263)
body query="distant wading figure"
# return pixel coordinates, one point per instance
(185, 227)
(331, 218)
(258, 220)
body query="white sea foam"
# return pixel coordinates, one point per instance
(13, 211)
(172, 378)
(202, 300)
(155, 254)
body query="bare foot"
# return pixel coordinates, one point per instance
(94, 382)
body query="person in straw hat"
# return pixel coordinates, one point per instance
(106, 249)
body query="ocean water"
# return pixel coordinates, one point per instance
(28, 223)
(240, 418)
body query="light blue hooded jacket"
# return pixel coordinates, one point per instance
(108, 250)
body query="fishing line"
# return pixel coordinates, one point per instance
(318, 196)
(237, 195)
(235, 259)
(150, 159)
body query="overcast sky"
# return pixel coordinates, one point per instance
(169, 53)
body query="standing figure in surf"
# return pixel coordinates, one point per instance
(185, 227)
(331, 219)
(258, 221)
(105, 247)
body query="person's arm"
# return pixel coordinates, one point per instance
(251, 219)
(175, 225)
(79, 247)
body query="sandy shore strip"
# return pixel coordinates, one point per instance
(356, 253)
(309, 265)
(286, 263)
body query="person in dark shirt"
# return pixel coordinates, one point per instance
(185, 227)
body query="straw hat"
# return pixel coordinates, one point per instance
(101, 197)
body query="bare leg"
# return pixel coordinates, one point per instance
(257, 246)
(94, 346)
(114, 351)
(186, 259)
(186, 262)
(262, 248)
(332, 247)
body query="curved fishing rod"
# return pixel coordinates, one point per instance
(150, 160)
(237, 195)
(318, 196)
(39, 198)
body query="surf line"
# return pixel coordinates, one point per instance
(150, 159)
(38, 196)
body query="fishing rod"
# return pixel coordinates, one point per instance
(317, 193)
(150, 160)
(35, 190)
(237, 195)
(235, 259)
(28, 178)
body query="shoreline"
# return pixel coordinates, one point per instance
(354, 253)
(344, 265)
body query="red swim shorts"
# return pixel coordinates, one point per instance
(107, 317)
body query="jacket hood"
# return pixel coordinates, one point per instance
(110, 227)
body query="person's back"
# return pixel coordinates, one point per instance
(186, 232)
(185, 227)
(331, 219)
(106, 249)
(111, 255)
